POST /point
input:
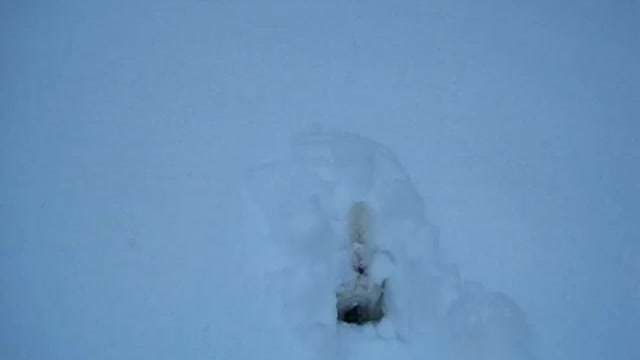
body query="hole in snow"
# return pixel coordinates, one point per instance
(361, 306)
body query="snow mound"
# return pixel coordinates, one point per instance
(305, 204)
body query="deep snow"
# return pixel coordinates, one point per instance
(128, 130)
(431, 312)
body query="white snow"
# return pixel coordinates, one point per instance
(305, 200)
(175, 178)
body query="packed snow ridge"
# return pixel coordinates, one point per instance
(354, 270)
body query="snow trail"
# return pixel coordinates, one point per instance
(349, 231)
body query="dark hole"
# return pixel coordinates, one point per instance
(363, 310)
(353, 316)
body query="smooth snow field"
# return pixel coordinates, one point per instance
(292, 180)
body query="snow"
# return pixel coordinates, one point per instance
(307, 201)
(175, 178)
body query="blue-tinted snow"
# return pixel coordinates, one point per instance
(127, 128)
(430, 311)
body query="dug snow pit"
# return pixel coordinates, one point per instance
(361, 306)
(359, 301)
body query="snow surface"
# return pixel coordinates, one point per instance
(430, 312)
(136, 136)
